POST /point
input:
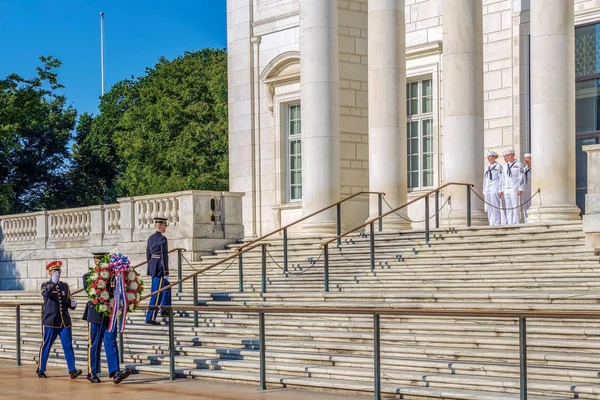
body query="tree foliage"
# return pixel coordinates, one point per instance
(173, 131)
(35, 128)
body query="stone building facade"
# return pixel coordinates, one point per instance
(332, 97)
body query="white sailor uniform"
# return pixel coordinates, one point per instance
(492, 184)
(512, 179)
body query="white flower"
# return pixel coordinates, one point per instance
(91, 291)
(102, 308)
(101, 285)
(138, 296)
(104, 274)
(94, 276)
(105, 295)
(133, 285)
(131, 276)
(131, 307)
(130, 296)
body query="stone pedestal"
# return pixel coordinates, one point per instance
(462, 81)
(553, 111)
(591, 219)
(387, 109)
(320, 113)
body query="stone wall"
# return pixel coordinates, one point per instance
(199, 222)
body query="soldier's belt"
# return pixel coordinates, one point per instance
(156, 256)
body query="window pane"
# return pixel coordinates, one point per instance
(427, 161)
(414, 164)
(414, 129)
(296, 163)
(296, 193)
(427, 144)
(427, 105)
(427, 127)
(414, 90)
(587, 50)
(587, 106)
(294, 112)
(426, 88)
(414, 178)
(414, 146)
(296, 178)
(414, 107)
(295, 147)
(428, 178)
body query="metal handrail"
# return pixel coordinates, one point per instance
(376, 312)
(179, 249)
(195, 274)
(380, 217)
(337, 205)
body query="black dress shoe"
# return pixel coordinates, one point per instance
(75, 373)
(40, 374)
(121, 376)
(153, 322)
(93, 378)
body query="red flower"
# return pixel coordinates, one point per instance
(98, 291)
(95, 301)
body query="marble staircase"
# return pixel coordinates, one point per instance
(517, 268)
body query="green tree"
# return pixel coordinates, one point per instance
(173, 131)
(35, 128)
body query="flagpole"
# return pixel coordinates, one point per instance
(102, 48)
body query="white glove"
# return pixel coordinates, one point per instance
(55, 276)
(73, 303)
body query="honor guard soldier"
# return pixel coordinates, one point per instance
(98, 333)
(157, 258)
(56, 320)
(492, 182)
(512, 179)
(526, 196)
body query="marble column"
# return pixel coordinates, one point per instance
(553, 111)
(320, 112)
(462, 83)
(387, 109)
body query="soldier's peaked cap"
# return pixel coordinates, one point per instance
(160, 220)
(54, 265)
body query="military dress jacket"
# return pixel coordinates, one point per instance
(157, 255)
(89, 313)
(57, 303)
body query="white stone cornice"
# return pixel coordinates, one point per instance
(423, 50)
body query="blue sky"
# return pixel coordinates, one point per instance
(136, 34)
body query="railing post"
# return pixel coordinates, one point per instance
(18, 323)
(427, 219)
(376, 357)
(264, 269)
(326, 268)
(523, 356)
(380, 210)
(195, 281)
(285, 251)
(468, 205)
(171, 345)
(179, 270)
(261, 339)
(338, 223)
(121, 348)
(437, 209)
(241, 272)
(372, 243)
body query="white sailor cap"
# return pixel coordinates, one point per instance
(508, 151)
(492, 153)
(527, 155)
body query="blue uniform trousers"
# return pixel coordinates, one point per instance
(162, 299)
(66, 339)
(96, 334)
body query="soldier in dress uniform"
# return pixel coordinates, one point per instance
(526, 196)
(511, 190)
(56, 320)
(157, 258)
(492, 182)
(97, 333)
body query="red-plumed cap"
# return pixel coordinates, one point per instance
(54, 265)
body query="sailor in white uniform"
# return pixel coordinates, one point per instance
(512, 180)
(492, 184)
(526, 196)
(502, 202)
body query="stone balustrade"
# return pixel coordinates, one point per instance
(199, 221)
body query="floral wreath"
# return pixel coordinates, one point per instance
(100, 284)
